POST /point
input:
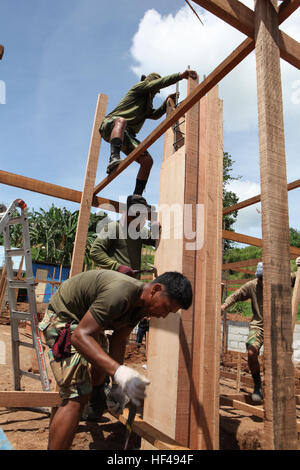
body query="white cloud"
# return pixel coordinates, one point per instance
(167, 44)
(170, 43)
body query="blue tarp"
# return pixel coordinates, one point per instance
(4, 442)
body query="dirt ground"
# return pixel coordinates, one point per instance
(28, 430)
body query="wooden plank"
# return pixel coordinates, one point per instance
(241, 264)
(239, 281)
(210, 257)
(286, 8)
(87, 193)
(155, 437)
(255, 199)
(198, 423)
(29, 399)
(240, 405)
(240, 238)
(279, 401)
(185, 361)
(49, 189)
(253, 410)
(242, 51)
(241, 17)
(296, 295)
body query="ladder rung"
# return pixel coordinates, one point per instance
(20, 284)
(30, 374)
(16, 252)
(15, 220)
(16, 315)
(26, 345)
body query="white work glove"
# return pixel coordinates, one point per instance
(132, 383)
(116, 399)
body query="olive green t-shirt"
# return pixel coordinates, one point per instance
(109, 296)
(113, 247)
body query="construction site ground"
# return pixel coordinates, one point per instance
(28, 430)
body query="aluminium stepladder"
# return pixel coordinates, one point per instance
(7, 219)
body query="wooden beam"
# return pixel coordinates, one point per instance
(156, 438)
(255, 199)
(241, 17)
(88, 189)
(49, 189)
(242, 51)
(241, 264)
(279, 389)
(29, 399)
(241, 238)
(286, 8)
(240, 404)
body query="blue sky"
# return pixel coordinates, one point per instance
(59, 55)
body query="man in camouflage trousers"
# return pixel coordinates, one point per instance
(121, 125)
(253, 290)
(78, 314)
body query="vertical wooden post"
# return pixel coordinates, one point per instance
(88, 189)
(279, 396)
(208, 294)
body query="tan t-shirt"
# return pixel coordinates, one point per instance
(109, 296)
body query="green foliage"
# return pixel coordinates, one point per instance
(242, 308)
(52, 235)
(295, 237)
(229, 198)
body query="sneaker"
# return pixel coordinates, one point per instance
(257, 394)
(114, 162)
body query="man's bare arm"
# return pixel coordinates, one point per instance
(83, 339)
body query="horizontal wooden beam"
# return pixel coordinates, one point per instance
(255, 199)
(49, 189)
(241, 17)
(156, 438)
(242, 51)
(241, 405)
(16, 399)
(239, 281)
(241, 264)
(241, 238)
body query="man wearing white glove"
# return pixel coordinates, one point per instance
(83, 308)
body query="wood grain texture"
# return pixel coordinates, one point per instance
(279, 391)
(88, 189)
(18, 399)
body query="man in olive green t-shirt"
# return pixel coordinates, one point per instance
(253, 290)
(121, 125)
(78, 313)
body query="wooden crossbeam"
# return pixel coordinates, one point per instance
(241, 238)
(49, 189)
(241, 17)
(16, 399)
(255, 199)
(241, 264)
(242, 51)
(286, 9)
(244, 406)
(149, 433)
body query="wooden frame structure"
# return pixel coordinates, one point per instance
(197, 427)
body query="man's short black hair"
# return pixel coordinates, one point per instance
(178, 287)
